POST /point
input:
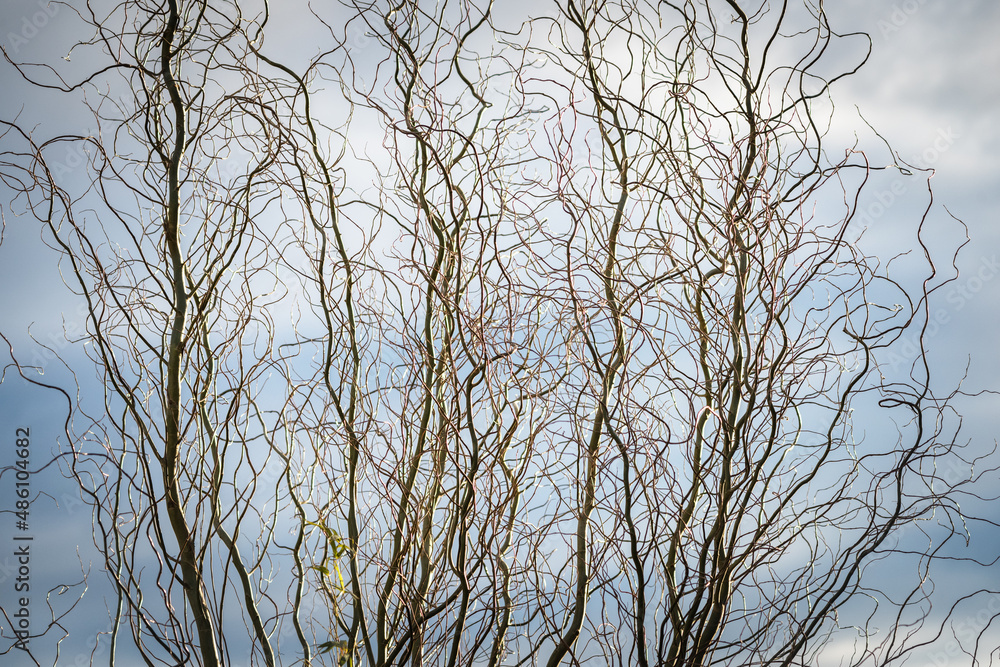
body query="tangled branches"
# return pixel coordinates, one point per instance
(483, 338)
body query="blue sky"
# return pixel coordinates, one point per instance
(931, 88)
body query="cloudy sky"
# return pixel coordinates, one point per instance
(931, 87)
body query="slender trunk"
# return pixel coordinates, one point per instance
(191, 578)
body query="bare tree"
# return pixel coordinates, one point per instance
(488, 337)
(152, 245)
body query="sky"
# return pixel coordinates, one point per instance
(930, 87)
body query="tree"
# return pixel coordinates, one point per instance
(571, 380)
